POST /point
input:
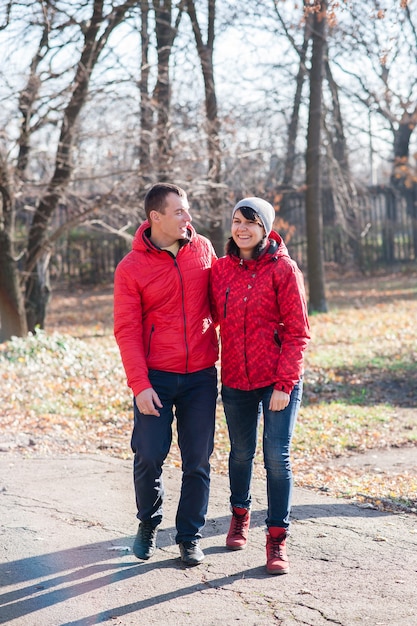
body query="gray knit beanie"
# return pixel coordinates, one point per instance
(262, 208)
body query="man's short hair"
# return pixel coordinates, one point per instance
(155, 199)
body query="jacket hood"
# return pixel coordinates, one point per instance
(141, 239)
(277, 246)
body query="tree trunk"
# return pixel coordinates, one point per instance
(27, 99)
(403, 178)
(38, 294)
(162, 92)
(165, 36)
(145, 104)
(12, 308)
(293, 125)
(205, 53)
(345, 197)
(314, 219)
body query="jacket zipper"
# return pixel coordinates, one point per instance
(183, 314)
(244, 334)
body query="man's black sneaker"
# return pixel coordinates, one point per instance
(145, 543)
(191, 553)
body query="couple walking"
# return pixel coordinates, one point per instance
(170, 293)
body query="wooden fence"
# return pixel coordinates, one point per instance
(87, 257)
(382, 232)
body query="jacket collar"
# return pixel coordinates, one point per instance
(276, 249)
(141, 240)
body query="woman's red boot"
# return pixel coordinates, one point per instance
(237, 536)
(276, 551)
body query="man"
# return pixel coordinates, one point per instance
(168, 345)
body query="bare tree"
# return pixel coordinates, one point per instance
(165, 33)
(374, 51)
(383, 82)
(293, 127)
(338, 171)
(314, 218)
(35, 276)
(205, 53)
(145, 140)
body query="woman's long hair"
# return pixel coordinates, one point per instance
(231, 247)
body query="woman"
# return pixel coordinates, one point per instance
(259, 302)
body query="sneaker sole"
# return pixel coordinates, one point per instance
(142, 557)
(236, 547)
(274, 571)
(191, 563)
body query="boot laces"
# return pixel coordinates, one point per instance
(238, 522)
(276, 546)
(147, 532)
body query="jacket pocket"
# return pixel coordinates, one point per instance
(277, 339)
(150, 341)
(225, 302)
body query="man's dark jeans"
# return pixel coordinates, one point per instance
(191, 398)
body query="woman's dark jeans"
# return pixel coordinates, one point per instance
(193, 397)
(243, 410)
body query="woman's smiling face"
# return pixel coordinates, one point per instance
(246, 234)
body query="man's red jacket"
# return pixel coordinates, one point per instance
(162, 317)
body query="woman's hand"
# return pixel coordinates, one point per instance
(279, 400)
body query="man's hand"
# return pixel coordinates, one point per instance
(279, 400)
(147, 401)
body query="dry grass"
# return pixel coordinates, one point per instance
(64, 392)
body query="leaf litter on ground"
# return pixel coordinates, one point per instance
(63, 390)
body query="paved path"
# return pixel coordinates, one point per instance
(67, 525)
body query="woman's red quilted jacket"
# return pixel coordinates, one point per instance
(261, 308)
(162, 318)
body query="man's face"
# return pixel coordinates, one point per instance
(172, 225)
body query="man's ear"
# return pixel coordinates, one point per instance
(154, 216)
